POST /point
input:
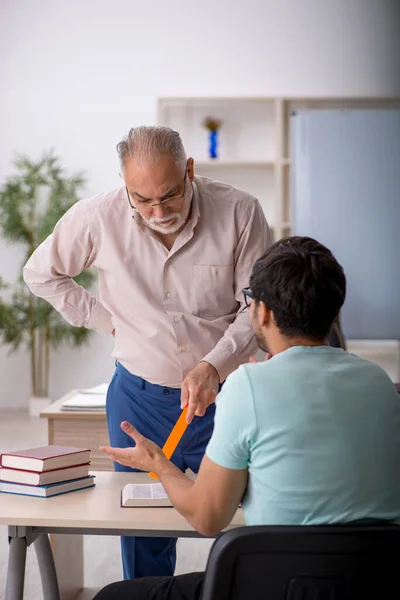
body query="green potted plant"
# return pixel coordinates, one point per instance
(31, 202)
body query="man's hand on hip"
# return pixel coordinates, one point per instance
(199, 389)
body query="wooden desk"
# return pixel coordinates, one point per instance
(83, 429)
(95, 511)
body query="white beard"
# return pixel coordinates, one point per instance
(180, 219)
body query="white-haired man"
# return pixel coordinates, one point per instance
(173, 252)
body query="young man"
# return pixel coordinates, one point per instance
(173, 252)
(309, 437)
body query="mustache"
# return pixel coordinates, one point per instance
(156, 220)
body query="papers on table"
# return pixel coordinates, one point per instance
(98, 389)
(88, 399)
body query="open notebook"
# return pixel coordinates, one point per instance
(144, 494)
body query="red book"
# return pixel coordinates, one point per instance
(45, 458)
(46, 477)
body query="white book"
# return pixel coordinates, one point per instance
(85, 402)
(144, 494)
(45, 491)
(97, 389)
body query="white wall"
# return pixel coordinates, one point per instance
(77, 75)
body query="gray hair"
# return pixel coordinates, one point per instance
(150, 143)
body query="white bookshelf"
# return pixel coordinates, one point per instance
(248, 142)
(254, 142)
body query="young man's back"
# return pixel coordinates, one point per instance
(319, 431)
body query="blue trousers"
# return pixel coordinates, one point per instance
(153, 410)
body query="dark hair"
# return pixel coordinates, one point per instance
(302, 283)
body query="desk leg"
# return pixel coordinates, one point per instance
(47, 569)
(16, 569)
(68, 558)
(67, 551)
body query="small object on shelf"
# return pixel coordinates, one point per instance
(213, 126)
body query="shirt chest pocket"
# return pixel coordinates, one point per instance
(213, 292)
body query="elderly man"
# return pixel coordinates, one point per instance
(173, 252)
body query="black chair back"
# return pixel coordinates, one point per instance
(329, 562)
(336, 337)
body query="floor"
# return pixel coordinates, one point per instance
(102, 554)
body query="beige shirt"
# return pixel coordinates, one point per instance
(170, 309)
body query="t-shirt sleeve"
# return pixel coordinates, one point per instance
(235, 424)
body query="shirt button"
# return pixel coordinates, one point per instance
(168, 295)
(176, 319)
(183, 348)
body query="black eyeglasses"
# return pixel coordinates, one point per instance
(146, 203)
(247, 293)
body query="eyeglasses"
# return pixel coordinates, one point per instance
(247, 293)
(146, 203)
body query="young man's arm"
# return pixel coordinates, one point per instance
(210, 502)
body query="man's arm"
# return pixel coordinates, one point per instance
(238, 342)
(63, 255)
(210, 502)
(200, 386)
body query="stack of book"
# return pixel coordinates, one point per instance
(45, 471)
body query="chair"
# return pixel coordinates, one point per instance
(336, 337)
(329, 562)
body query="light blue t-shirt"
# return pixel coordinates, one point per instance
(319, 431)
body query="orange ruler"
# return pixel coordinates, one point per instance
(174, 437)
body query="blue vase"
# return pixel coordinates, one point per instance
(213, 147)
